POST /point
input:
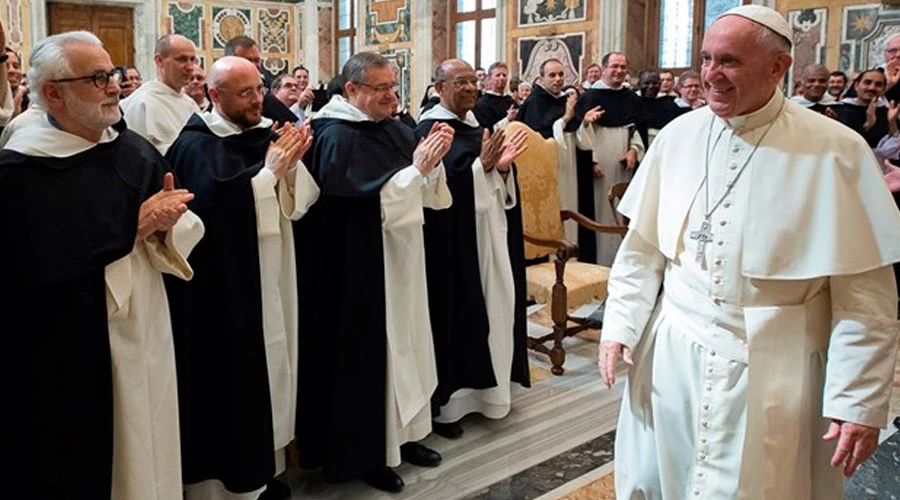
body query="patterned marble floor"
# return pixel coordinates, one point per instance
(557, 443)
(556, 416)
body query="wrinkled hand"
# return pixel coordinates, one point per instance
(630, 159)
(699, 103)
(433, 147)
(511, 150)
(162, 210)
(571, 101)
(491, 148)
(306, 97)
(892, 73)
(594, 114)
(598, 171)
(512, 113)
(286, 151)
(856, 443)
(609, 357)
(870, 114)
(892, 177)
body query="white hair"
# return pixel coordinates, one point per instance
(50, 60)
(770, 39)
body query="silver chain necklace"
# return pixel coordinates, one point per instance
(704, 234)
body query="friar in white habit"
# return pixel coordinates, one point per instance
(94, 220)
(763, 369)
(236, 323)
(159, 109)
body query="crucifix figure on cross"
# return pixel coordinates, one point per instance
(703, 236)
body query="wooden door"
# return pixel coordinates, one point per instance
(114, 26)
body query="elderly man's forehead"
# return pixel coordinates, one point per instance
(893, 41)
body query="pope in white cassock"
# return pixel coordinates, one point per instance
(158, 109)
(89, 359)
(764, 367)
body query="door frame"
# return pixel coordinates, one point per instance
(144, 36)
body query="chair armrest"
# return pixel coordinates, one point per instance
(564, 250)
(592, 225)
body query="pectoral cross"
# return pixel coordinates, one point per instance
(703, 236)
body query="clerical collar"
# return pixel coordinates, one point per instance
(758, 118)
(223, 127)
(549, 93)
(340, 109)
(494, 93)
(854, 101)
(33, 134)
(681, 103)
(806, 103)
(439, 112)
(600, 85)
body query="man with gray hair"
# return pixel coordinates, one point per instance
(88, 357)
(158, 109)
(753, 297)
(367, 368)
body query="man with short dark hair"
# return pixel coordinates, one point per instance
(285, 89)
(690, 92)
(496, 108)
(814, 94)
(837, 84)
(303, 107)
(660, 110)
(667, 84)
(159, 109)
(367, 368)
(591, 75)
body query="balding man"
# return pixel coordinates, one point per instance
(247, 48)
(159, 109)
(814, 94)
(236, 325)
(471, 287)
(367, 363)
(88, 357)
(196, 88)
(753, 295)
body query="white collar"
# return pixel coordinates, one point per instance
(600, 84)
(223, 127)
(854, 101)
(760, 117)
(806, 103)
(341, 109)
(681, 103)
(34, 135)
(439, 112)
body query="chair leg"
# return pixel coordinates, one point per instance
(558, 353)
(560, 322)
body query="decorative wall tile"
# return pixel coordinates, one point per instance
(186, 20)
(16, 23)
(534, 50)
(275, 66)
(229, 22)
(327, 71)
(387, 21)
(540, 12)
(864, 32)
(274, 30)
(809, 32)
(401, 57)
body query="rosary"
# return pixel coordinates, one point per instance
(704, 234)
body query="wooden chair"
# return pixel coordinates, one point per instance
(562, 283)
(616, 192)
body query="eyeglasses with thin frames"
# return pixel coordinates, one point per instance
(381, 89)
(101, 79)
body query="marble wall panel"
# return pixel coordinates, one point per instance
(810, 40)
(16, 20)
(569, 49)
(386, 21)
(570, 30)
(541, 12)
(864, 32)
(327, 70)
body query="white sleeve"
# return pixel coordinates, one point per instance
(637, 144)
(634, 285)
(170, 254)
(859, 372)
(491, 189)
(7, 108)
(297, 192)
(405, 195)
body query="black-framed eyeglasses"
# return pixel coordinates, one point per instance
(101, 78)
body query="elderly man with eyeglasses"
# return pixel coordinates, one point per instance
(87, 367)
(367, 367)
(159, 109)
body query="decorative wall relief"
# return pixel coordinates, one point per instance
(16, 23)
(569, 49)
(187, 20)
(864, 32)
(539, 12)
(274, 34)
(808, 27)
(227, 23)
(402, 58)
(387, 21)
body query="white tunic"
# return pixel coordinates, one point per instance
(158, 113)
(146, 446)
(733, 352)
(411, 371)
(277, 204)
